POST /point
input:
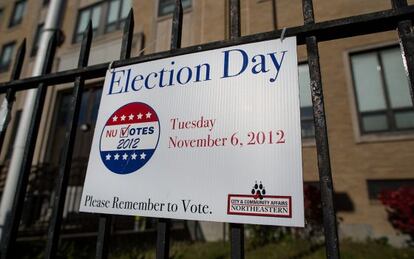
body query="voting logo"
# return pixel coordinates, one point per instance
(129, 138)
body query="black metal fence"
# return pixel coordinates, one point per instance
(310, 34)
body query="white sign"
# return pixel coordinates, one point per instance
(214, 135)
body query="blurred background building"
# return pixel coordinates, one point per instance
(369, 111)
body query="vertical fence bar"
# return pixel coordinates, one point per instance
(104, 233)
(236, 230)
(11, 94)
(163, 238)
(127, 36)
(406, 35)
(274, 15)
(398, 3)
(163, 225)
(307, 8)
(13, 219)
(235, 31)
(237, 240)
(105, 221)
(321, 136)
(177, 26)
(65, 166)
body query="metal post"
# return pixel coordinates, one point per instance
(104, 234)
(274, 15)
(163, 238)
(398, 3)
(177, 26)
(10, 233)
(237, 240)
(65, 166)
(321, 136)
(406, 35)
(20, 143)
(105, 221)
(7, 105)
(163, 225)
(236, 230)
(235, 31)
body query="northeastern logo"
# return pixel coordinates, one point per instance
(258, 191)
(259, 204)
(129, 138)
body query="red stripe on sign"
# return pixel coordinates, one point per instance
(132, 113)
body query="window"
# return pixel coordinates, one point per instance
(6, 56)
(312, 193)
(90, 13)
(36, 39)
(117, 13)
(91, 97)
(306, 110)
(106, 16)
(166, 7)
(18, 13)
(382, 94)
(375, 187)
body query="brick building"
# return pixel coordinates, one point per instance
(369, 110)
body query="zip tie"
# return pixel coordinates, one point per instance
(282, 36)
(152, 43)
(110, 65)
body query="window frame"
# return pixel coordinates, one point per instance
(98, 29)
(373, 191)
(102, 27)
(389, 112)
(119, 20)
(6, 68)
(12, 22)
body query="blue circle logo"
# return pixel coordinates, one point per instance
(129, 138)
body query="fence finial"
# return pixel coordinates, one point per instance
(177, 26)
(127, 36)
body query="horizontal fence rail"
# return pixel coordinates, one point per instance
(330, 30)
(399, 18)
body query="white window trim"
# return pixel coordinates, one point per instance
(371, 137)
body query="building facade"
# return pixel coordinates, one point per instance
(368, 107)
